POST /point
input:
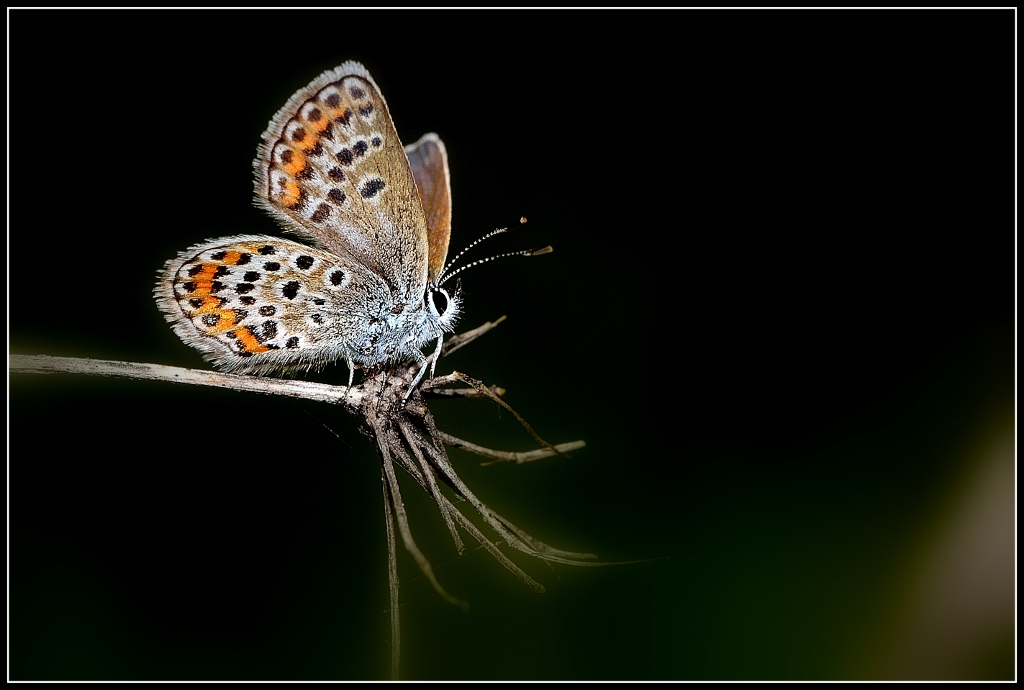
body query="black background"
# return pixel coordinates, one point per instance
(779, 310)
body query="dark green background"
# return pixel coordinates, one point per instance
(780, 312)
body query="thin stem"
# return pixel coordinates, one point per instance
(475, 532)
(459, 376)
(307, 390)
(514, 536)
(403, 521)
(432, 487)
(456, 341)
(463, 392)
(510, 456)
(396, 628)
(442, 463)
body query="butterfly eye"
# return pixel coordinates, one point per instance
(439, 301)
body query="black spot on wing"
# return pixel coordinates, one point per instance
(371, 188)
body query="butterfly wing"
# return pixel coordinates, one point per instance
(429, 162)
(331, 168)
(260, 304)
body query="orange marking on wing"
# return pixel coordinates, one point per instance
(338, 113)
(289, 194)
(211, 305)
(203, 282)
(298, 162)
(205, 275)
(226, 323)
(319, 125)
(247, 339)
(231, 257)
(307, 142)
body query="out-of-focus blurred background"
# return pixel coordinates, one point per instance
(780, 311)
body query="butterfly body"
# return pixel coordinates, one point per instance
(331, 169)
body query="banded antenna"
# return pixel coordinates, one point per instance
(445, 275)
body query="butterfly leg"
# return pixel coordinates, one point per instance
(351, 376)
(424, 363)
(437, 355)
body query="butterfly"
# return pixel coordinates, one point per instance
(330, 169)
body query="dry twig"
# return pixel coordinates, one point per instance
(404, 433)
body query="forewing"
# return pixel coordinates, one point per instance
(260, 304)
(331, 168)
(429, 162)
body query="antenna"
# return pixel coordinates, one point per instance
(445, 275)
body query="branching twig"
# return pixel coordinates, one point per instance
(397, 418)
